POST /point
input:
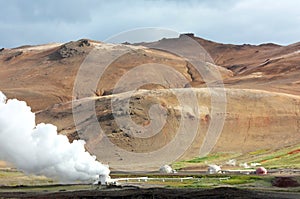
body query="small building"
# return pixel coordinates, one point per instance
(104, 179)
(245, 165)
(187, 34)
(213, 169)
(231, 162)
(261, 171)
(255, 164)
(166, 169)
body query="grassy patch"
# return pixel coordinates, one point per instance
(259, 152)
(284, 161)
(203, 159)
(13, 178)
(210, 181)
(46, 188)
(216, 158)
(288, 157)
(283, 158)
(241, 179)
(178, 165)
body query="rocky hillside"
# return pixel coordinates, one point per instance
(261, 86)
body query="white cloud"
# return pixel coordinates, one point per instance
(234, 21)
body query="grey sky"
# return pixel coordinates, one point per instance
(228, 21)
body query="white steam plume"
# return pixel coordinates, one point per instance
(38, 149)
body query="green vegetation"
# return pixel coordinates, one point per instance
(242, 179)
(288, 157)
(14, 180)
(203, 159)
(178, 165)
(171, 181)
(204, 180)
(47, 188)
(217, 158)
(211, 181)
(284, 158)
(11, 177)
(259, 152)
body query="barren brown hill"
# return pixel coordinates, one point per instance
(44, 75)
(261, 84)
(253, 120)
(266, 66)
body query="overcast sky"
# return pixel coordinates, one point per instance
(228, 21)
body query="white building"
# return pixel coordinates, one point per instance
(213, 169)
(166, 169)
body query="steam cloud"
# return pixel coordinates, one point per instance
(38, 149)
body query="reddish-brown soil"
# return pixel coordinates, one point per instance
(285, 182)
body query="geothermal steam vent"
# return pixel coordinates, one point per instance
(38, 149)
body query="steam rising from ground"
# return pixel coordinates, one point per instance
(38, 149)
